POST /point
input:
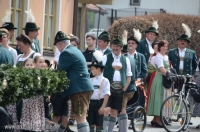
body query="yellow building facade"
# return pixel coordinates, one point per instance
(50, 15)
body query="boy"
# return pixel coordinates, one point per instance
(100, 95)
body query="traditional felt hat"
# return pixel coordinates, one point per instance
(125, 49)
(8, 25)
(136, 37)
(104, 36)
(60, 36)
(117, 41)
(187, 34)
(152, 29)
(184, 37)
(98, 59)
(133, 38)
(31, 26)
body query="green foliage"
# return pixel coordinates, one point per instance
(17, 83)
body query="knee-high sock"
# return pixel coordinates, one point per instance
(92, 129)
(99, 130)
(61, 129)
(105, 123)
(83, 127)
(111, 123)
(123, 123)
(118, 120)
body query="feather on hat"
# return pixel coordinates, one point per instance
(137, 34)
(187, 30)
(155, 24)
(98, 55)
(124, 37)
(7, 17)
(30, 16)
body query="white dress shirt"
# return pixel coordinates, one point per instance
(105, 87)
(152, 61)
(103, 50)
(181, 54)
(14, 54)
(158, 60)
(151, 50)
(56, 55)
(33, 45)
(132, 55)
(116, 62)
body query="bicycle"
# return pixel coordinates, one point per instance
(177, 109)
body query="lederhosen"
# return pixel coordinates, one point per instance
(116, 98)
(95, 105)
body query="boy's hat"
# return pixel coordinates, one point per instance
(98, 59)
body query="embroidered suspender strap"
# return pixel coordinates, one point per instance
(100, 88)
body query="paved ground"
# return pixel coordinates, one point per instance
(149, 128)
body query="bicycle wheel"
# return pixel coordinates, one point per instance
(173, 114)
(190, 104)
(139, 119)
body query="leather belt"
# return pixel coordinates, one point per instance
(180, 71)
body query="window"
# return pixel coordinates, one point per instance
(49, 30)
(135, 2)
(17, 17)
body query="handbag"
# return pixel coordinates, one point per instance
(169, 78)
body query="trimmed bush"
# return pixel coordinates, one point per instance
(170, 27)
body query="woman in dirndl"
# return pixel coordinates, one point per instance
(151, 71)
(29, 113)
(158, 92)
(196, 112)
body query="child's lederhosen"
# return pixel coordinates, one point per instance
(93, 117)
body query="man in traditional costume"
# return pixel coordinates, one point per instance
(80, 88)
(7, 24)
(183, 60)
(133, 43)
(118, 71)
(145, 46)
(103, 42)
(31, 30)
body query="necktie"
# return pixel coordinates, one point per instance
(135, 56)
